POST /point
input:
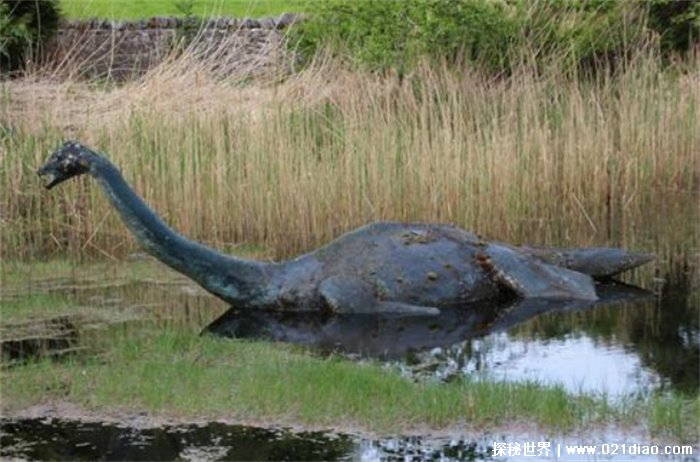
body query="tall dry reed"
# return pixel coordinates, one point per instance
(287, 166)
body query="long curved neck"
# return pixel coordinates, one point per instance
(233, 279)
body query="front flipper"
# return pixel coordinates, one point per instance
(532, 278)
(353, 295)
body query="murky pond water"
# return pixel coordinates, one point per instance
(70, 440)
(37, 439)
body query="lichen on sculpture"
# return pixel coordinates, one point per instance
(382, 267)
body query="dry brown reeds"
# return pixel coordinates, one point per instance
(287, 165)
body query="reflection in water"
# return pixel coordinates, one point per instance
(389, 335)
(468, 341)
(41, 439)
(662, 335)
(56, 337)
(420, 449)
(626, 342)
(670, 343)
(38, 439)
(577, 362)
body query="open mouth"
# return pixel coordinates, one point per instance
(49, 177)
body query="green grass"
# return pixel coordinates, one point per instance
(15, 273)
(140, 9)
(35, 304)
(178, 374)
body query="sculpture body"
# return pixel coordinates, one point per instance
(382, 267)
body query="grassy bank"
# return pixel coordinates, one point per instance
(178, 374)
(140, 9)
(288, 166)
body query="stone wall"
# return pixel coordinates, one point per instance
(124, 50)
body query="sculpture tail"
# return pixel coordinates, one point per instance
(599, 262)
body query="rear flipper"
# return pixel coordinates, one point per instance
(599, 262)
(353, 295)
(532, 278)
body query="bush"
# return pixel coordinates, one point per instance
(382, 34)
(580, 34)
(677, 22)
(24, 26)
(11, 35)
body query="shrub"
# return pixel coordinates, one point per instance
(11, 34)
(677, 22)
(24, 26)
(382, 34)
(493, 34)
(579, 34)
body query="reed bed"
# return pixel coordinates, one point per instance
(287, 165)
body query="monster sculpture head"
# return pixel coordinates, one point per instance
(70, 160)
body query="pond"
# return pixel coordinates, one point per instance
(46, 439)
